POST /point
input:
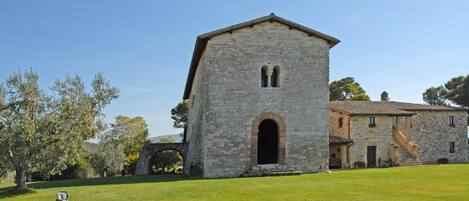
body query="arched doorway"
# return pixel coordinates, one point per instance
(267, 143)
(268, 139)
(167, 161)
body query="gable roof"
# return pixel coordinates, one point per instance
(424, 107)
(368, 108)
(201, 41)
(392, 108)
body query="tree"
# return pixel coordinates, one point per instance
(45, 133)
(458, 91)
(347, 89)
(79, 170)
(108, 158)
(435, 96)
(132, 134)
(453, 92)
(179, 114)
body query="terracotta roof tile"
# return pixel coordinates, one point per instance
(421, 107)
(367, 108)
(385, 107)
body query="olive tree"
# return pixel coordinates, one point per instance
(46, 133)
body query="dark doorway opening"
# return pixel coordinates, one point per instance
(267, 144)
(371, 156)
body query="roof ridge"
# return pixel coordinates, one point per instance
(397, 106)
(333, 41)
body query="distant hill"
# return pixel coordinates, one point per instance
(176, 137)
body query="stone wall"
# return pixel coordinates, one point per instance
(428, 129)
(234, 97)
(433, 134)
(8, 179)
(380, 136)
(197, 106)
(334, 128)
(403, 124)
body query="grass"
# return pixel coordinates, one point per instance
(436, 182)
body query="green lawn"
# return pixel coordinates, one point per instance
(437, 182)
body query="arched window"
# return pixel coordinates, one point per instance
(274, 81)
(264, 77)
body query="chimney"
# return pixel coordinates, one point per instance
(384, 96)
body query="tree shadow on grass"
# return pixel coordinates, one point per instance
(9, 190)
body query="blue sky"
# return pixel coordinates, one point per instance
(144, 47)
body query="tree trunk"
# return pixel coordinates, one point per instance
(21, 179)
(103, 173)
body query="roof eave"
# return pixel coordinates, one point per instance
(331, 40)
(382, 114)
(339, 111)
(439, 110)
(198, 49)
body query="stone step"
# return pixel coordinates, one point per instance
(409, 163)
(406, 158)
(404, 153)
(280, 173)
(270, 167)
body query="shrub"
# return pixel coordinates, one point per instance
(37, 176)
(79, 170)
(359, 164)
(130, 169)
(443, 161)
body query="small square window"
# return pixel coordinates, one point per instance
(452, 148)
(371, 122)
(451, 121)
(340, 122)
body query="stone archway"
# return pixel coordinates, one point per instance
(160, 160)
(266, 119)
(150, 150)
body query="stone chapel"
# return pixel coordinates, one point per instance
(258, 95)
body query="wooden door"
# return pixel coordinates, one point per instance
(371, 156)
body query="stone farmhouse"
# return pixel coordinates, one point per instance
(385, 133)
(259, 104)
